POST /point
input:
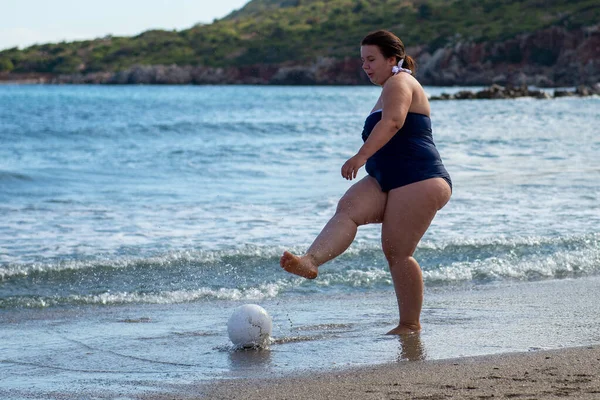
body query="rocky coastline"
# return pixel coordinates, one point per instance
(552, 57)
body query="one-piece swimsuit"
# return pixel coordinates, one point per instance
(410, 156)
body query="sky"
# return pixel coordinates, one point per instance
(27, 22)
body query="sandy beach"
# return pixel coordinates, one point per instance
(551, 374)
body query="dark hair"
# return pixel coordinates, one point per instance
(390, 45)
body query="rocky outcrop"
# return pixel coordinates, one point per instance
(549, 58)
(501, 92)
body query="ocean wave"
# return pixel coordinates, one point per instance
(14, 176)
(253, 273)
(430, 255)
(216, 258)
(122, 298)
(557, 265)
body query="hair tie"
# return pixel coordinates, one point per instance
(398, 68)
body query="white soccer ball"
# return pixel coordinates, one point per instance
(250, 326)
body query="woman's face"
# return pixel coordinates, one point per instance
(375, 65)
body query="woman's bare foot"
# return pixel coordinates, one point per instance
(302, 266)
(403, 329)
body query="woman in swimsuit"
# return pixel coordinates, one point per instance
(406, 184)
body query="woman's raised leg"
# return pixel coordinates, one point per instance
(363, 203)
(408, 213)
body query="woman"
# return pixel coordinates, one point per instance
(407, 182)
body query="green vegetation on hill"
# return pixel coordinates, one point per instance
(270, 31)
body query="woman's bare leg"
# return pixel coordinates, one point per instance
(362, 204)
(409, 212)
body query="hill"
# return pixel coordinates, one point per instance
(266, 35)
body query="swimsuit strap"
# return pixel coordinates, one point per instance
(397, 69)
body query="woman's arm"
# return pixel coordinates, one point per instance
(396, 98)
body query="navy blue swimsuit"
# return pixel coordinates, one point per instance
(410, 156)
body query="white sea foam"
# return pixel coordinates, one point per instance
(556, 265)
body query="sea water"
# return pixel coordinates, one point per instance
(135, 219)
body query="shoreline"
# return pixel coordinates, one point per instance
(544, 374)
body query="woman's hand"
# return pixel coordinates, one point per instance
(351, 167)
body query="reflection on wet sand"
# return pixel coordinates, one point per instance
(411, 347)
(249, 359)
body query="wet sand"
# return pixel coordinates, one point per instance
(572, 373)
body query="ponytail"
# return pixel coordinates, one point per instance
(410, 63)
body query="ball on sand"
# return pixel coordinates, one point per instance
(250, 326)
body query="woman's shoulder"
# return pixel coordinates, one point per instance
(398, 86)
(405, 88)
(401, 82)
